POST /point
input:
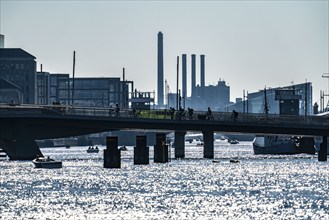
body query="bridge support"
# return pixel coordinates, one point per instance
(208, 144)
(112, 155)
(161, 149)
(20, 144)
(322, 154)
(141, 151)
(179, 144)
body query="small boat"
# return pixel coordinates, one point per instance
(2, 153)
(93, 150)
(233, 141)
(46, 162)
(123, 148)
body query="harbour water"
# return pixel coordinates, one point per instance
(259, 187)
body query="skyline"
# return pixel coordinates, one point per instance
(248, 44)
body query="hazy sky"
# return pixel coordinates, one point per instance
(249, 44)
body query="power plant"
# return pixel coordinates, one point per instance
(202, 96)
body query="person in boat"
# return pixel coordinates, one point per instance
(209, 114)
(96, 148)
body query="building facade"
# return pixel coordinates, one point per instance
(90, 92)
(19, 68)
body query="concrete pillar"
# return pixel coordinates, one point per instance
(21, 144)
(179, 144)
(161, 149)
(112, 155)
(208, 144)
(141, 151)
(322, 154)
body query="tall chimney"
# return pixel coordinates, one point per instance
(193, 76)
(184, 73)
(160, 69)
(2, 41)
(202, 74)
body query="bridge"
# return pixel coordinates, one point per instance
(21, 125)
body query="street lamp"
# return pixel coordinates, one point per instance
(326, 75)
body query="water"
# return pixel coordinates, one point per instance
(259, 187)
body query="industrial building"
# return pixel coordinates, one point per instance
(214, 96)
(270, 100)
(22, 84)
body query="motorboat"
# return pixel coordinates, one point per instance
(93, 150)
(123, 148)
(276, 144)
(46, 162)
(2, 153)
(233, 141)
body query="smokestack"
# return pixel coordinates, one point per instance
(2, 41)
(193, 76)
(184, 73)
(202, 74)
(160, 69)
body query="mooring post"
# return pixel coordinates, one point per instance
(161, 149)
(180, 144)
(208, 144)
(141, 151)
(112, 155)
(322, 154)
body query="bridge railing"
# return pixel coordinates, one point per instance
(224, 117)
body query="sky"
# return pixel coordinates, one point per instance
(249, 44)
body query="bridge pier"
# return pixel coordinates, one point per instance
(322, 154)
(141, 151)
(180, 144)
(19, 143)
(208, 144)
(161, 149)
(112, 155)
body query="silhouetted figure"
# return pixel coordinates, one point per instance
(172, 112)
(235, 115)
(181, 113)
(134, 111)
(190, 112)
(117, 110)
(209, 114)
